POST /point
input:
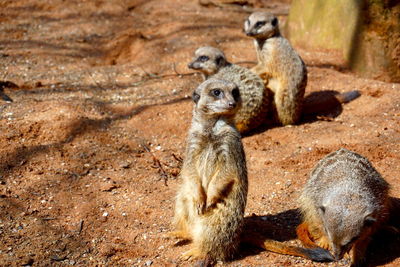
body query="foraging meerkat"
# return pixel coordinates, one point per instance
(279, 65)
(343, 203)
(211, 200)
(255, 98)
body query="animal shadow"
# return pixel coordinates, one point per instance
(385, 244)
(280, 227)
(325, 104)
(321, 105)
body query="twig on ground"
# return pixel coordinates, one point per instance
(246, 62)
(157, 163)
(177, 158)
(80, 227)
(98, 84)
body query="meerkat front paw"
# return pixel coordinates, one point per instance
(200, 206)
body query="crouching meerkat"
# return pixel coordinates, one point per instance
(255, 98)
(343, 203)
(211, 200)
(279, 65)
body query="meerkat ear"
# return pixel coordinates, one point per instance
(195, 97)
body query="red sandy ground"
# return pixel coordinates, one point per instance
(99, 88)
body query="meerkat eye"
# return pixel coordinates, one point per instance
(203, 58)
(274, 22)
(216, 92)
(260, 24)
(369, 221)
(236, 94)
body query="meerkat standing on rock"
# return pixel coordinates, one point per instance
(211, 200)
(255, 98)
(344, 202)
(279, 65)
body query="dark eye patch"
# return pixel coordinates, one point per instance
(236, 94)
(203, 58)
(274, 22)
(260, 24)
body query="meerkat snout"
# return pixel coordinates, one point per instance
(208, 60)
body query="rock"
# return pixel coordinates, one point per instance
(367, 33)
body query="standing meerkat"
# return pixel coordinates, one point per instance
(255, 97)
(211, 200)
(279, 65)
(343, 203)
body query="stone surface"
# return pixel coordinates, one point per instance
(366, 32)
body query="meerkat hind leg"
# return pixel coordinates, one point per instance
(193, 253)
(304, 235)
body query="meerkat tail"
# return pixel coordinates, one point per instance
(315, 254)
(5, 97)
(348, 96)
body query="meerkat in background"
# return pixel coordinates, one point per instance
(279, 65)
(343, 203)
(211, 200)
(255, 98)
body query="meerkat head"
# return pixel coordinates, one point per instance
(208, 60)
(345, 221)
(215, 98)
(261, 25)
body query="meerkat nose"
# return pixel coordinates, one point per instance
(190, 65)
(232, 104)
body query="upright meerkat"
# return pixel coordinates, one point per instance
(279, 65)
(211, 200)
(343, 203)
(255, 98)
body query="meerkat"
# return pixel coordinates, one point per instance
(212, 197)
(279, 65)
(343, 203)
(211, 200)
(255, 98)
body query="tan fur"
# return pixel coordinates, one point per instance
(255, 98)
(212, 197)
(279, 65)
(344, 202)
